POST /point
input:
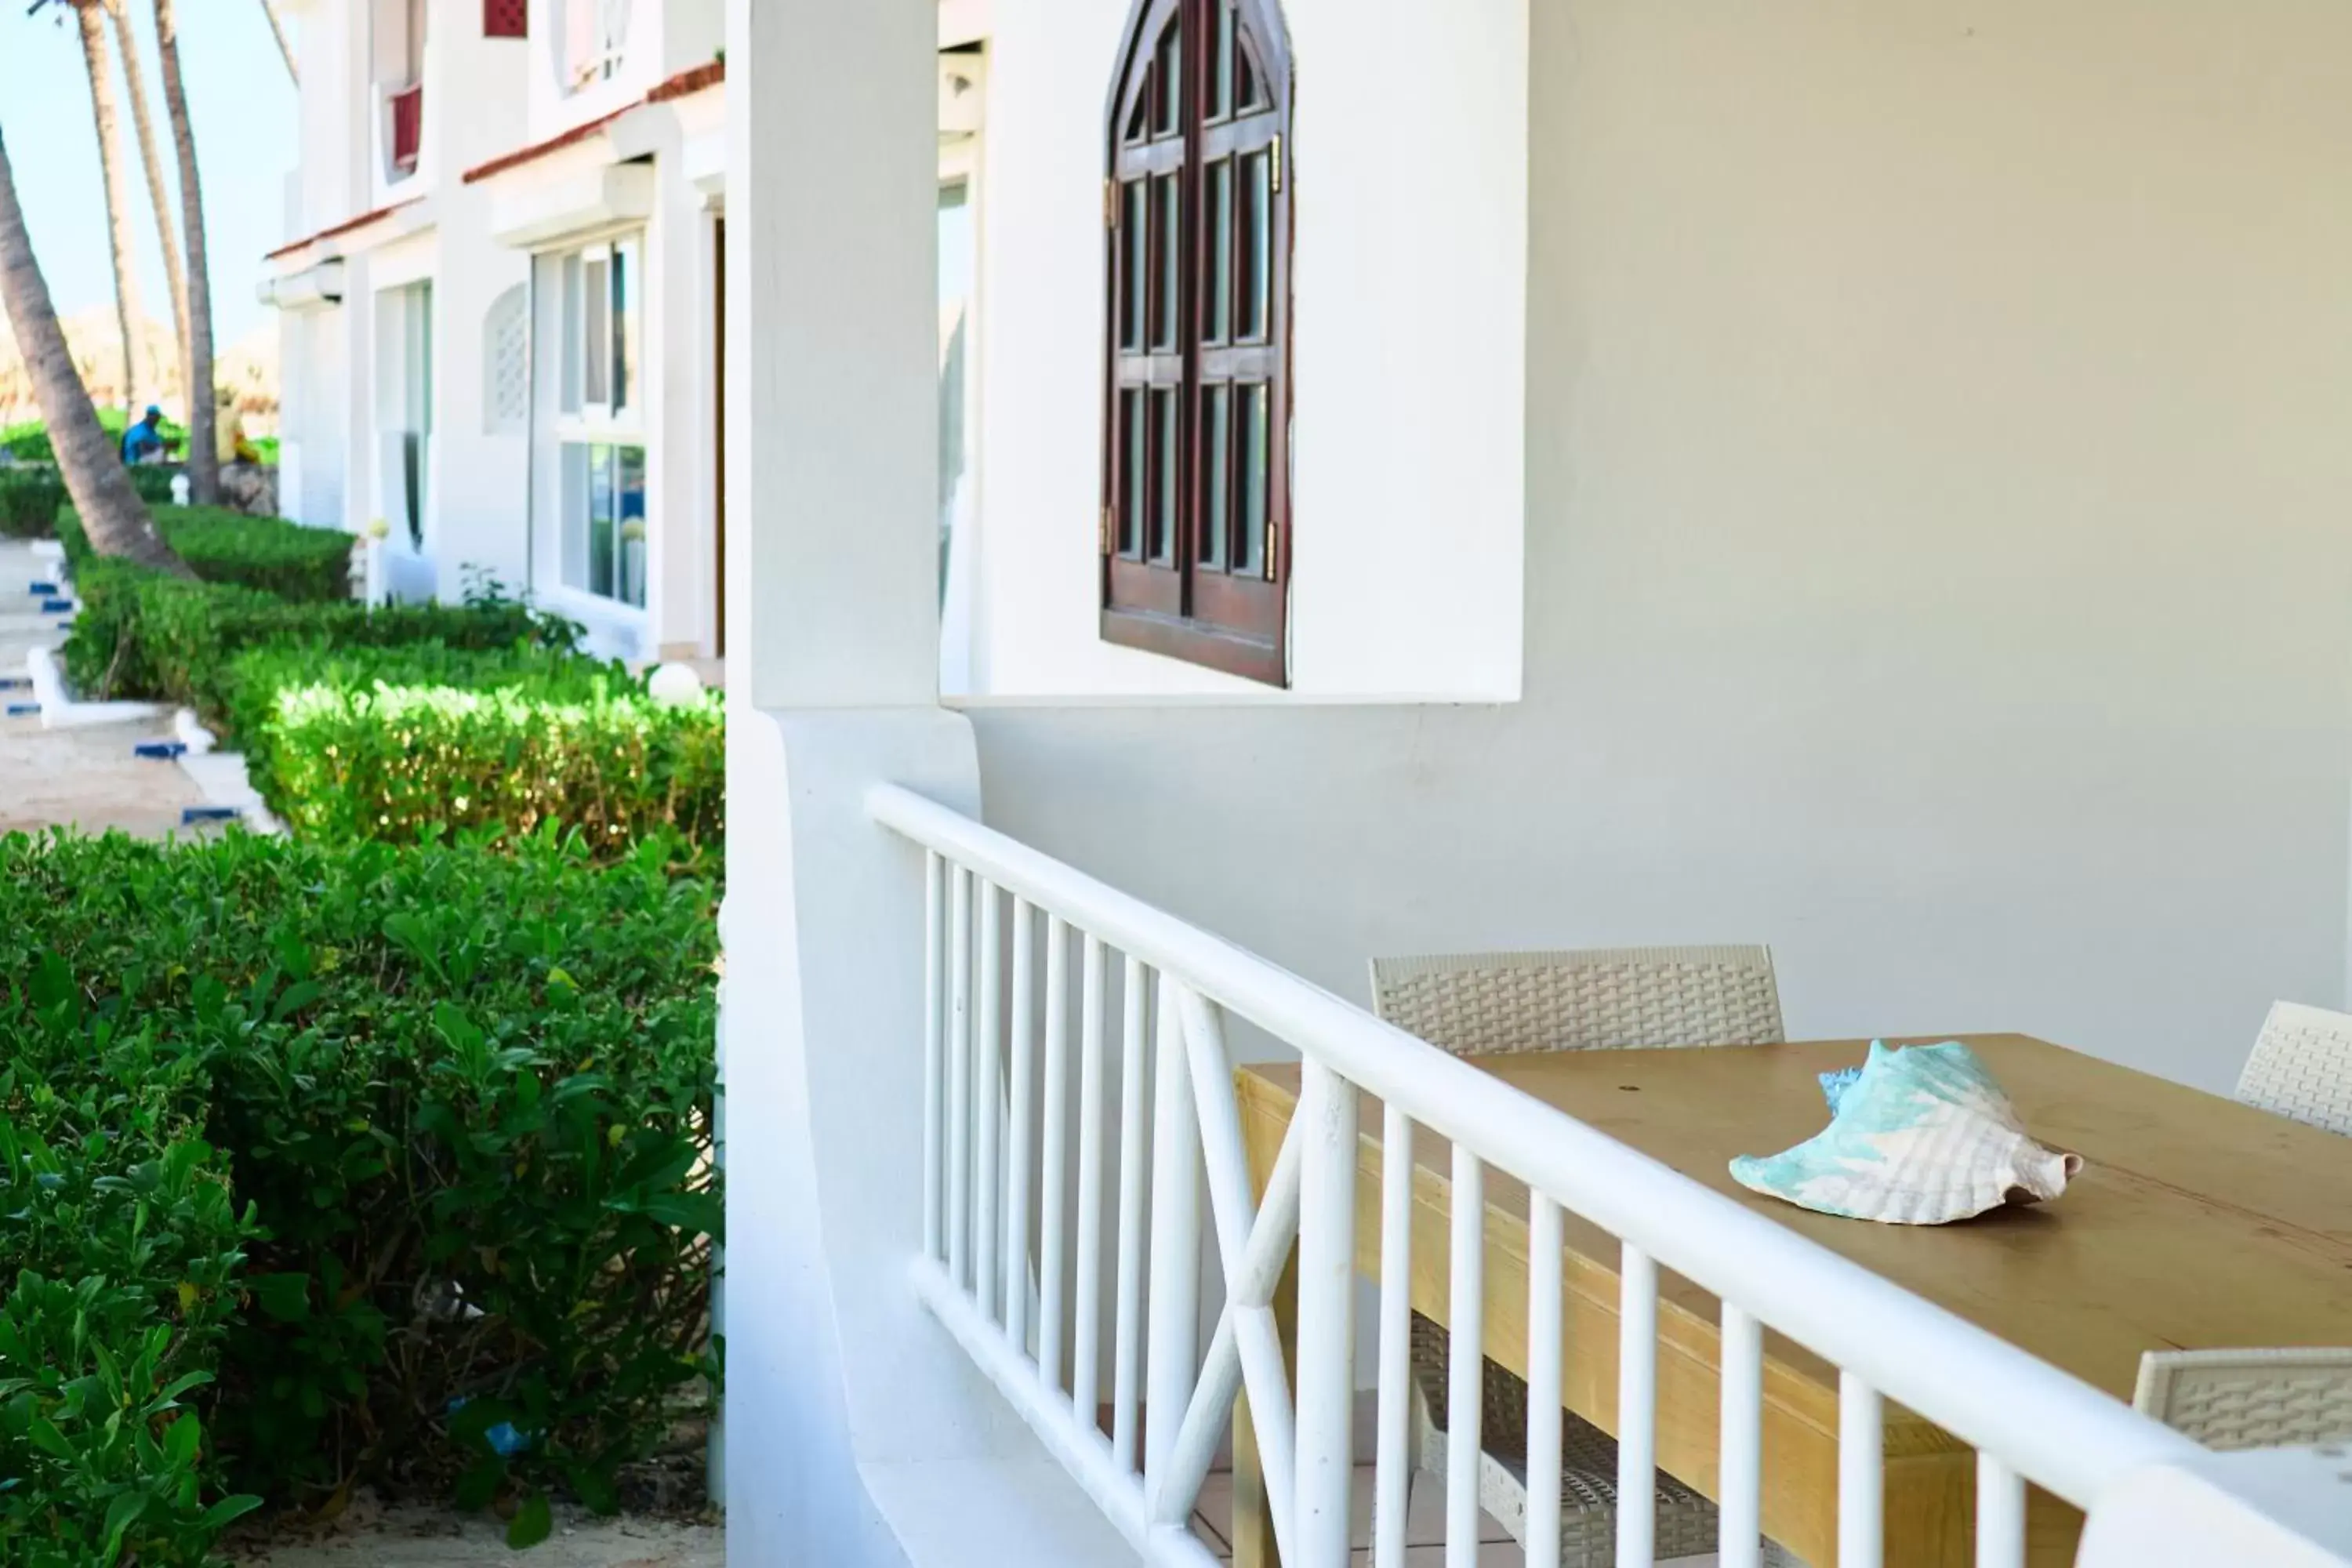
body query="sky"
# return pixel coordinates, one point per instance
(244, 110)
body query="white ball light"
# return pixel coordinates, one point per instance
(673, 686)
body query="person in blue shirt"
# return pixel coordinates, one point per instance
(143, 442)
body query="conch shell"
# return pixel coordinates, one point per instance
(1923, 1136)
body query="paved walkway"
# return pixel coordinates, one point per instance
(86, 777)
(432, 1538)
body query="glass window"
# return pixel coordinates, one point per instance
(606, 522)
(596, 331)
(628, 288)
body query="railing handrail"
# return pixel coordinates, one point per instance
(2057, 1430)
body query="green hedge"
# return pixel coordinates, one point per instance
(29, 500)
(429, 740)
(123, 1250)
(311, 565)
(139, 634)
(467, 1099)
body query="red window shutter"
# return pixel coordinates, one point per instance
(506, 19)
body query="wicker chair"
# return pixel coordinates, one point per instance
(2249, 1399)
(2302, 1067)
(1502, 1003)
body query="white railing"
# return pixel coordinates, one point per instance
(992, 1107)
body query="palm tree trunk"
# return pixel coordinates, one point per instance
(142, 120)
(111, 514)
(204, 462)
(118, 204)
(285, 50)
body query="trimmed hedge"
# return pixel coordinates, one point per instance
(309, 565)
(122, 1247)
(468, 1101)
(30, 499)
(429, 740)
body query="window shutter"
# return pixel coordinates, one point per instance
(506, 19)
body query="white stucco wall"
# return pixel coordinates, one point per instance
(1937, 560)
(1410, 173)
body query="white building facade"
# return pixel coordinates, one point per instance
(500, 305)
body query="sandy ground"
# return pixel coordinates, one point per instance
(430, 1538)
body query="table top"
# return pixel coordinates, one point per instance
(2197, 1223)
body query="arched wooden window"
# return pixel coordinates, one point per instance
(1196, 503)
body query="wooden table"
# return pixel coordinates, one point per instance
(2196, 1223)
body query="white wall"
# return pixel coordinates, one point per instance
(1410, 170)
(1936, 559)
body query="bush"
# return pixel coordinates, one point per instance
(468, 1100)
(123, 1248)
(427, 741)
(29, 500)
(310, 565)
(140, 634)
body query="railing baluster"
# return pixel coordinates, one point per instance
(1545, 1260)
(934, 1058)
(1052, 1281)
(2000, 1514)
(1086, 1335)
(1637, 1408)
(1465, 1364)
(1128, 1320)
(1741, 1488)
(959, 1084)
(1175, 1320)
(987, 1098)
(1861, 1475)
(1327, 1302)
(1023, 1134)
(1392, 1471)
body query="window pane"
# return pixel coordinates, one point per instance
(628, 312)
(1216, 472)
(1132, 266)
(596, 335)
(1133, 473)
(1135, 121)
(574, 516)
(1220, 281)
(1257, 242)
(1252, 96)
(1220, 67)
(1167, 80)
(1167, 469)
(629, 463)
(1249, 555)
(1170, 239)
(600, 520)
(574, 332)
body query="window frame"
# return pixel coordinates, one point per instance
(616, 426)
(1160, 590)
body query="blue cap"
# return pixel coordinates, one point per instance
(153, 412)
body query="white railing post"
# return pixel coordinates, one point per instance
(1022, 1136)
(2000, 1514)
(1740, 1489)
(1392, 1470)
(1545, 1350)
(934, 1058)
(1861, 1474)
(1128, 1320)
(1175, 1316)
(1327, 1303)
(1086, 1336)
(959, 1084)
(987, 1101)
(1053, 1247)
(1466, 1358)
(1637, 1408)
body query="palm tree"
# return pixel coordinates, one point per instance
(204, 462)
(118, 204)
(134, 77)
(277, 31)
(111, 514)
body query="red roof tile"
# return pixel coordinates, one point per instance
(346, 226)
(680, 86)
